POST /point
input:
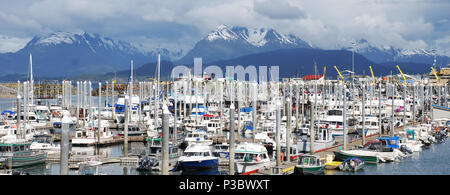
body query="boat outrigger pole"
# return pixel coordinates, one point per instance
(404, 78)
(371, 71)
(435, 75)
(343, 82)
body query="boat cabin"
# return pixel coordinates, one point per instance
(389, 142)
(309, 160)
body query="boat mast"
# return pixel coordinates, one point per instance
(131, 79)
(31, 78)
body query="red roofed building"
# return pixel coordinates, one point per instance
(312, 77)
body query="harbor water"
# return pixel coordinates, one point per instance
(431, 161)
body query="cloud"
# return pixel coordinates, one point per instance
(12, 44)
(278, 9)
(324, 23)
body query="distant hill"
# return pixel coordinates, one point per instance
(291, 62)
(300, 61)
(143, 72)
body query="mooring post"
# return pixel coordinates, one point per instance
(278, 128)
(165, 140)
(379, 109)
(125, 128)
(288, 129)
(344, 115)
(231, 136)
(363, 115)
(64, 158)
(99, 114)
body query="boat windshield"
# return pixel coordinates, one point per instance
(308, 161)
(188, 154)
(335, 112)
(246, 157)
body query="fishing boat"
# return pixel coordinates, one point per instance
(151, 161)
(8, 133)
(352, 164)
(90, 167)
(21, 155)
(370, 156)
(87, 136)
(409, 139)
(323, 139)
(197, 157)
(197, 136)
(334, 118)
(221, 150)
(309, 165)
(251, 156)
(45, 143)
(134, 130)
(371, 125)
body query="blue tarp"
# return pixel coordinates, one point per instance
(246, 109)
(8, 111)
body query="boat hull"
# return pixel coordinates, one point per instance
(340, 156)
(310, 170)
(198, 165)
(27, 160)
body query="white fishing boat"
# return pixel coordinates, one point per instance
(323, 139)
(221, 150)
(197, 157)
(251, 156)
(87, 136)
(370, 156)
(197, 136)
(371, 125)
(45, 143)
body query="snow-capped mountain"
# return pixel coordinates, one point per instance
(230, 42)
(67, 54)
(383, 54)
(258, 37)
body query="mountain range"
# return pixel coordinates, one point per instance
(383, 54)
(84, 55)
(230, 42)
(63, 54)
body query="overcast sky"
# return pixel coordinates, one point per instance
(178, 24)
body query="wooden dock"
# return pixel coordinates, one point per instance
(74, 159)
(115, 140)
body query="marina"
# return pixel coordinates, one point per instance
(198, 125)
